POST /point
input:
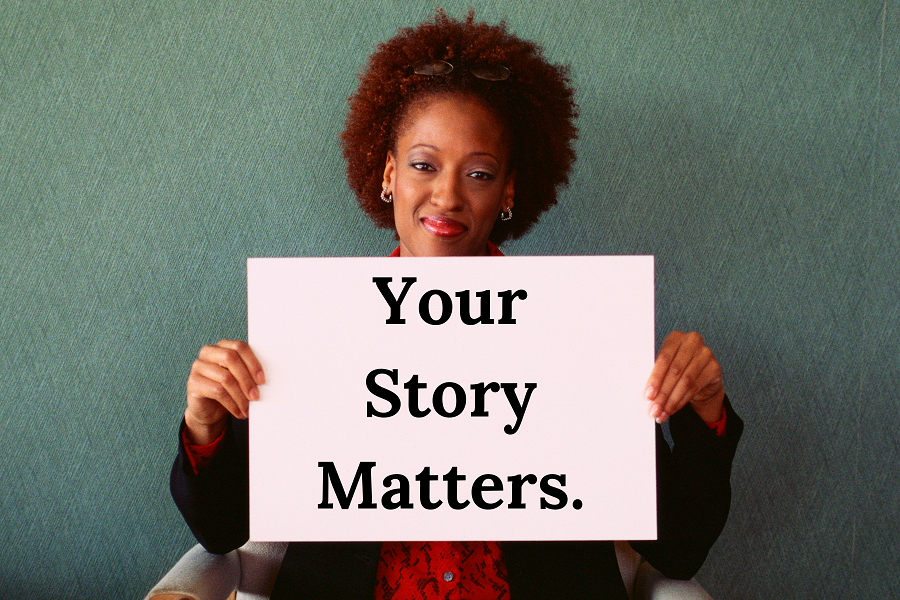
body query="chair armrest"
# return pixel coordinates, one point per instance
(260, 564)
(650, 584)
(199, 575)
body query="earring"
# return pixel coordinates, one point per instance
(506, 215)
(385, 196)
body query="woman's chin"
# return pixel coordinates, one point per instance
(442, 246)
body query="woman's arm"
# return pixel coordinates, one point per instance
(214, 500)
(223, 380)
(693, 492)
(694, 474)
(685, 372)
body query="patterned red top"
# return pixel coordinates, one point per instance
(441, 571)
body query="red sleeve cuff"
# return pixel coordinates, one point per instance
(199, 456)
(719, 426)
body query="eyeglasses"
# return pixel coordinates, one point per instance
(485, 71)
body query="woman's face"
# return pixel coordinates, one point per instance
(450, 177)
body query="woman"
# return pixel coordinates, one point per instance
(454, 125)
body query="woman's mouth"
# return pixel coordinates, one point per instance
(443, 227)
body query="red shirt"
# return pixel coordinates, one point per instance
(441, 570)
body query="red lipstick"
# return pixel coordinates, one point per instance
(443, 226)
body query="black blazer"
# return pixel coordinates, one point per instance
(693, 499)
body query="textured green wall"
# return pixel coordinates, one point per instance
(148, 148)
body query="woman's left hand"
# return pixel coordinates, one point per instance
(685, 372)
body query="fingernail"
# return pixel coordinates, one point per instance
(662, 418)
(648, 393)
(654, 410)
(260, 378)
(254, 394)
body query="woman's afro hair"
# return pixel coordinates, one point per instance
(535, 104)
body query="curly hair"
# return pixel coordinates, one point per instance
(535, 104)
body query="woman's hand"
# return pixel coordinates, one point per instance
(223, 380)
(685, 372)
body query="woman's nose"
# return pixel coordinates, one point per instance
(446, 193)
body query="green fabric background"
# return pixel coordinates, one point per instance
(148, 148)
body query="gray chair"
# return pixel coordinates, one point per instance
(248, 573)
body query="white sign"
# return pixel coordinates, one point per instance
(472, 398)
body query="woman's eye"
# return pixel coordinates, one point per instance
(482, 175)
(422, 166)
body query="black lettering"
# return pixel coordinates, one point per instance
(508, 296)
(517, 407)
(425, 478)
(517, 482)
(480, 390)
(402, 493)
(486, 483)
(452, 478)
(465, 312)
(555, 492)
(393, 303)
(383, 393)
(425, 307)
(414, 386)
(438, 400)
(363, 472)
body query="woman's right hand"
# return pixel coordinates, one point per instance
(224, 380)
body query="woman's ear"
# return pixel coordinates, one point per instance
(390, 167)
(509, 190)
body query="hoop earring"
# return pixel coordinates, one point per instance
(506, 215)
(385, 196)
